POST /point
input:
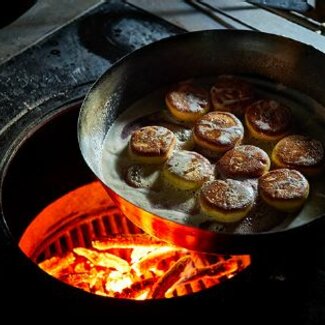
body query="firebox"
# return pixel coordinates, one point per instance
(85, 245)
(83, 240)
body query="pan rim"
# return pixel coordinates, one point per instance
(249, 238)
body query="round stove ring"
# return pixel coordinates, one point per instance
(45, 168)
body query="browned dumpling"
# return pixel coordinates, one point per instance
(218, 131)
(268, 120)
(244, 162)
(226, 200)
(284, 189)
(299, 152)
(187, 169)
(187, 102)
(230, 94)
(151, 144)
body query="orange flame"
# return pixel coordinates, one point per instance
(120, 261)
(151, 270)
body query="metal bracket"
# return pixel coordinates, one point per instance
(296, 5)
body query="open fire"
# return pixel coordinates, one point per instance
(140, 267)
(105, 254)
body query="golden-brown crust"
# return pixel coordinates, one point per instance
(244, 161)
(227, 195)
(218, 131)
(152, 141)
(299, 152)
(187, 102)
(268, 119)
(187, 169)
(284, 184)
(232, 95)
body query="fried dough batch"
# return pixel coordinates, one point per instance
(268, 120)
(232, 95)
(299, 152)
(284, 189)
(152, 144)
(226, 200)
(187, 102)
(223, 163)
(187, 170)
(244, 162)
(218, 132)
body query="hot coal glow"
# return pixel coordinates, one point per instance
(141, 268)
(122, 261)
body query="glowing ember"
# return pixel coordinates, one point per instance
(83, 240)
(137, 266)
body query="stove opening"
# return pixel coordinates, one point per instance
(79, 237)
(83, 240)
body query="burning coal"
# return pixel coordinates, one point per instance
(137, 266)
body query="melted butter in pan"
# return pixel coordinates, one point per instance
(146, 187)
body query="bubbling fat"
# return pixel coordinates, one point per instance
(146, 187)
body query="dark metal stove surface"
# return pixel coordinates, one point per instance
(63, 66)
(58, 71)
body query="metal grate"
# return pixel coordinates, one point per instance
(97, 226)
(87, 214)
(94, 227)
